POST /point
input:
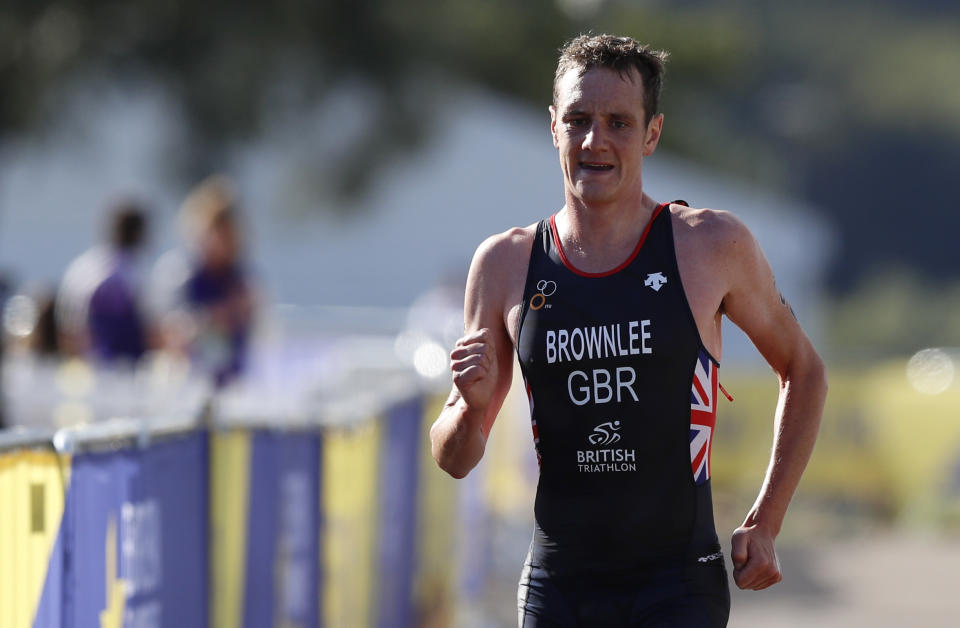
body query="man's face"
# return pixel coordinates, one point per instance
(598, 128)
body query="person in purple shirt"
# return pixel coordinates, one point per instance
(215, 300)
(98, 307)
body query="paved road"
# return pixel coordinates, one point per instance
(888, 579)
(878, 581)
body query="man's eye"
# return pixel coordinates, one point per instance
(618, 124)
(576, 122)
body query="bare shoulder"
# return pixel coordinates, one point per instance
(502, 254)
(712, 232)
(510, 244)
(496, 279)
(711, 226)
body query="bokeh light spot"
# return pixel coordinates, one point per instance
(20, 316)
(430, 360)
(930, 371)
(75, 378)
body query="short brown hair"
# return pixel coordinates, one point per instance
(615, 53)
(128, 225)
(210, 202)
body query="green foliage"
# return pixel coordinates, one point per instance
(221, 58)
(780, 94)
(894, 313)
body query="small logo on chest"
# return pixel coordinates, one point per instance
(655, 281)
(605, 433)
(546, 289)
(603, 459)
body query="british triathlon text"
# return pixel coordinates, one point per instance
(601, 385)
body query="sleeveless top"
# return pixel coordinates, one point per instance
(622, 399)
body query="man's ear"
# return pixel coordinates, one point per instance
(654, 129)
(553, 125)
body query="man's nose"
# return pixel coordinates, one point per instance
(594, 137)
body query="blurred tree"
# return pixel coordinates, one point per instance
(225, 61)
(836, 103)
(894, 313)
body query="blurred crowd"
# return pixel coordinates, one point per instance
(190, 312)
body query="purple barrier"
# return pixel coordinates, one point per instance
(282, 573)
(135, 527)
(400, 460)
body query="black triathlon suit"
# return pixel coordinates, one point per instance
(623, 400)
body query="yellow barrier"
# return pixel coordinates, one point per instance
(349, 493)
(918, 440)
(435, 587)
(229, 504)
(32, 491)
(844, 464)
(511, 460)
(882, 446)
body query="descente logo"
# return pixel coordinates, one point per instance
(655, 281)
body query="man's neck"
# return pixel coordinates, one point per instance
(602, 231)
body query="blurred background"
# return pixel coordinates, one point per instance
(251, 222)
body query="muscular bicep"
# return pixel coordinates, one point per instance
(755, 304)
(485, 303)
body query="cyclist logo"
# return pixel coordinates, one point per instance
(539, 300)
(605, 433)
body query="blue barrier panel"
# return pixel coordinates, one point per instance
(49, 612)
(475, 537)
(399, 468)
(283, 551)
(136, 536)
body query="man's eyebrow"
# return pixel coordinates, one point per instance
(620, 115)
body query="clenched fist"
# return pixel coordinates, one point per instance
(474, 366)
(755, 564)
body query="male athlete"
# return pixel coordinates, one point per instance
(613, 306)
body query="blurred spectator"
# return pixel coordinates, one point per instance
(98, 309)
(206, 300)
(44, 341)
(29, 325)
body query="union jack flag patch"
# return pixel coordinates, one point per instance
(533, 421)
(703, 415)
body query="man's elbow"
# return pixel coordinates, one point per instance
(456, 472)
(452, 465)
(446, 456)
(810, 375)
(803, 363)
(818, 374)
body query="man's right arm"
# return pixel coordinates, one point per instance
(482, 361)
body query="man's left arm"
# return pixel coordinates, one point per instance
(754, 304)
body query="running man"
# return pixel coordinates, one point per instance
(613, 306)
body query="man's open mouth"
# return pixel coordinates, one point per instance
(599, 167)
